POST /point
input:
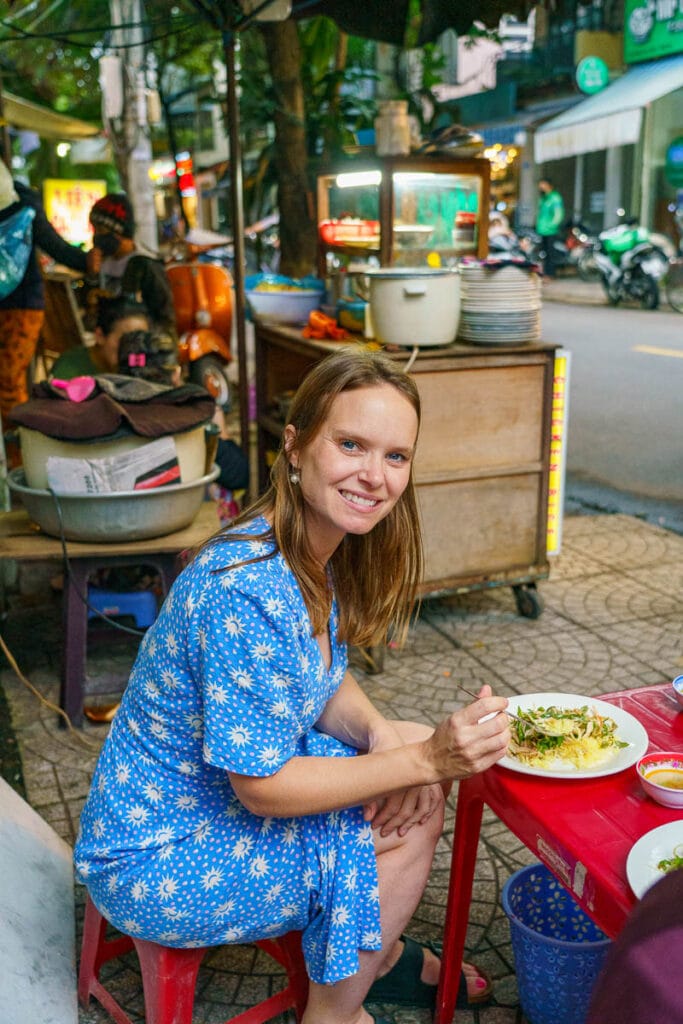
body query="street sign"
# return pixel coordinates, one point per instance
(592, 75)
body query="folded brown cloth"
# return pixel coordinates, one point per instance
(150, 411)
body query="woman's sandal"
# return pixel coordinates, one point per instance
(403, 986)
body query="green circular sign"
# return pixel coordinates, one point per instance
(673, 166)
(592, 74)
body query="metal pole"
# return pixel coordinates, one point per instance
(236, 197)
(6, 143)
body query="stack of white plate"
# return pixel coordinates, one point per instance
(500, 305)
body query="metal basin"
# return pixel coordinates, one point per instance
(111, 518)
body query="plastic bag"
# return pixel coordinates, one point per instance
(16, 242)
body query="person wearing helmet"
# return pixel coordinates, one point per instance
(128, 273)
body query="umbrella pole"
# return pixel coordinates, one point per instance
(236, 197)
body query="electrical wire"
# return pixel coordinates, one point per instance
(67, 569)
(44, 700)
(117, 625)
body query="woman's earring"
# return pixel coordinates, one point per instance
(294, 476)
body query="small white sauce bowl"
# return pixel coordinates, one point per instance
(661, 776)
(677, 687)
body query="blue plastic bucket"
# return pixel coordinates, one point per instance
(558, 950)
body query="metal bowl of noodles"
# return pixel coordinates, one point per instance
(115, 517)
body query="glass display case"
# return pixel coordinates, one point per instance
(404, 211)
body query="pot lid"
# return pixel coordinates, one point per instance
(401, 273)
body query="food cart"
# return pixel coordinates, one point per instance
(483, 461)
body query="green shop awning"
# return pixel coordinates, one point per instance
(612, 117)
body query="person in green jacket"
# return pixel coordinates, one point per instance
(549, 221)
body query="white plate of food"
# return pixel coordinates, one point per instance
(597, 738)
(658, 851)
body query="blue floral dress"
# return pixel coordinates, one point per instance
(229, 678)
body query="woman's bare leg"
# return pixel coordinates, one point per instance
(403, 867)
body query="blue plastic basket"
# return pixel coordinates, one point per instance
(558, 950)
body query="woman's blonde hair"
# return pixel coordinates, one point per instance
(375, 575)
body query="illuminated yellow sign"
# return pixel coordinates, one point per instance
(67, 205)
(558, 451)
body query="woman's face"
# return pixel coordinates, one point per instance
(108, 344)
(358, 466)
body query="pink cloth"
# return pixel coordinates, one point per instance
(77, 388)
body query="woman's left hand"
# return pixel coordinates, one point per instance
(400, 811)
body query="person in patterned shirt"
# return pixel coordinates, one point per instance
(248, 787)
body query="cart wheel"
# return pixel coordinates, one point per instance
(373, 658)
(528, 600)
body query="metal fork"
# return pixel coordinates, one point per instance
(529, 725)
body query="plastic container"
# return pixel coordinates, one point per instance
(677, 686)
(289, 301)
(558, 950)
(392, 129)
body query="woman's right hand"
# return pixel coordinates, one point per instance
(463, 744)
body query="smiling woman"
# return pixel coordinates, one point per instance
(248, 786)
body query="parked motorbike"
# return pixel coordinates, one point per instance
(630, 264)
(568, 246)
(203, 302)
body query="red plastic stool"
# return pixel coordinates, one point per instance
(169, 975)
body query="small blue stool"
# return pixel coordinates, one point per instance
(141, 604)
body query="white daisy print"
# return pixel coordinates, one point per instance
(137, 815)
(263, 651)
(186, 802)
(259, 867)
(274, 892)
(291, 831)
(139, 891)
(153, 792)
(274, 606)
(211, 879)
(242, 847)
(232, 625)
(279, 709)
(351, 879)
(242, 678)
(269, 756)
(170, 679)
(340, 914)
(159, 730)
(171, 644)
(217, 693)
(224, 909)
(239, 735)
(167, 888)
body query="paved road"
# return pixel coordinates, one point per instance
(625, 448)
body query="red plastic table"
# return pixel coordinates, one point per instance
(582, 830)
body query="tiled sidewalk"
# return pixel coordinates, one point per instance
(612, 620)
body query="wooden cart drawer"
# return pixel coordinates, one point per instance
(480, 418)
(481, 527)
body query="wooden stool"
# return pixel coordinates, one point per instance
(169, 975)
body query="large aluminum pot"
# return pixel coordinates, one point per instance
(113, 518)
(413, 306)
(37, 447)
